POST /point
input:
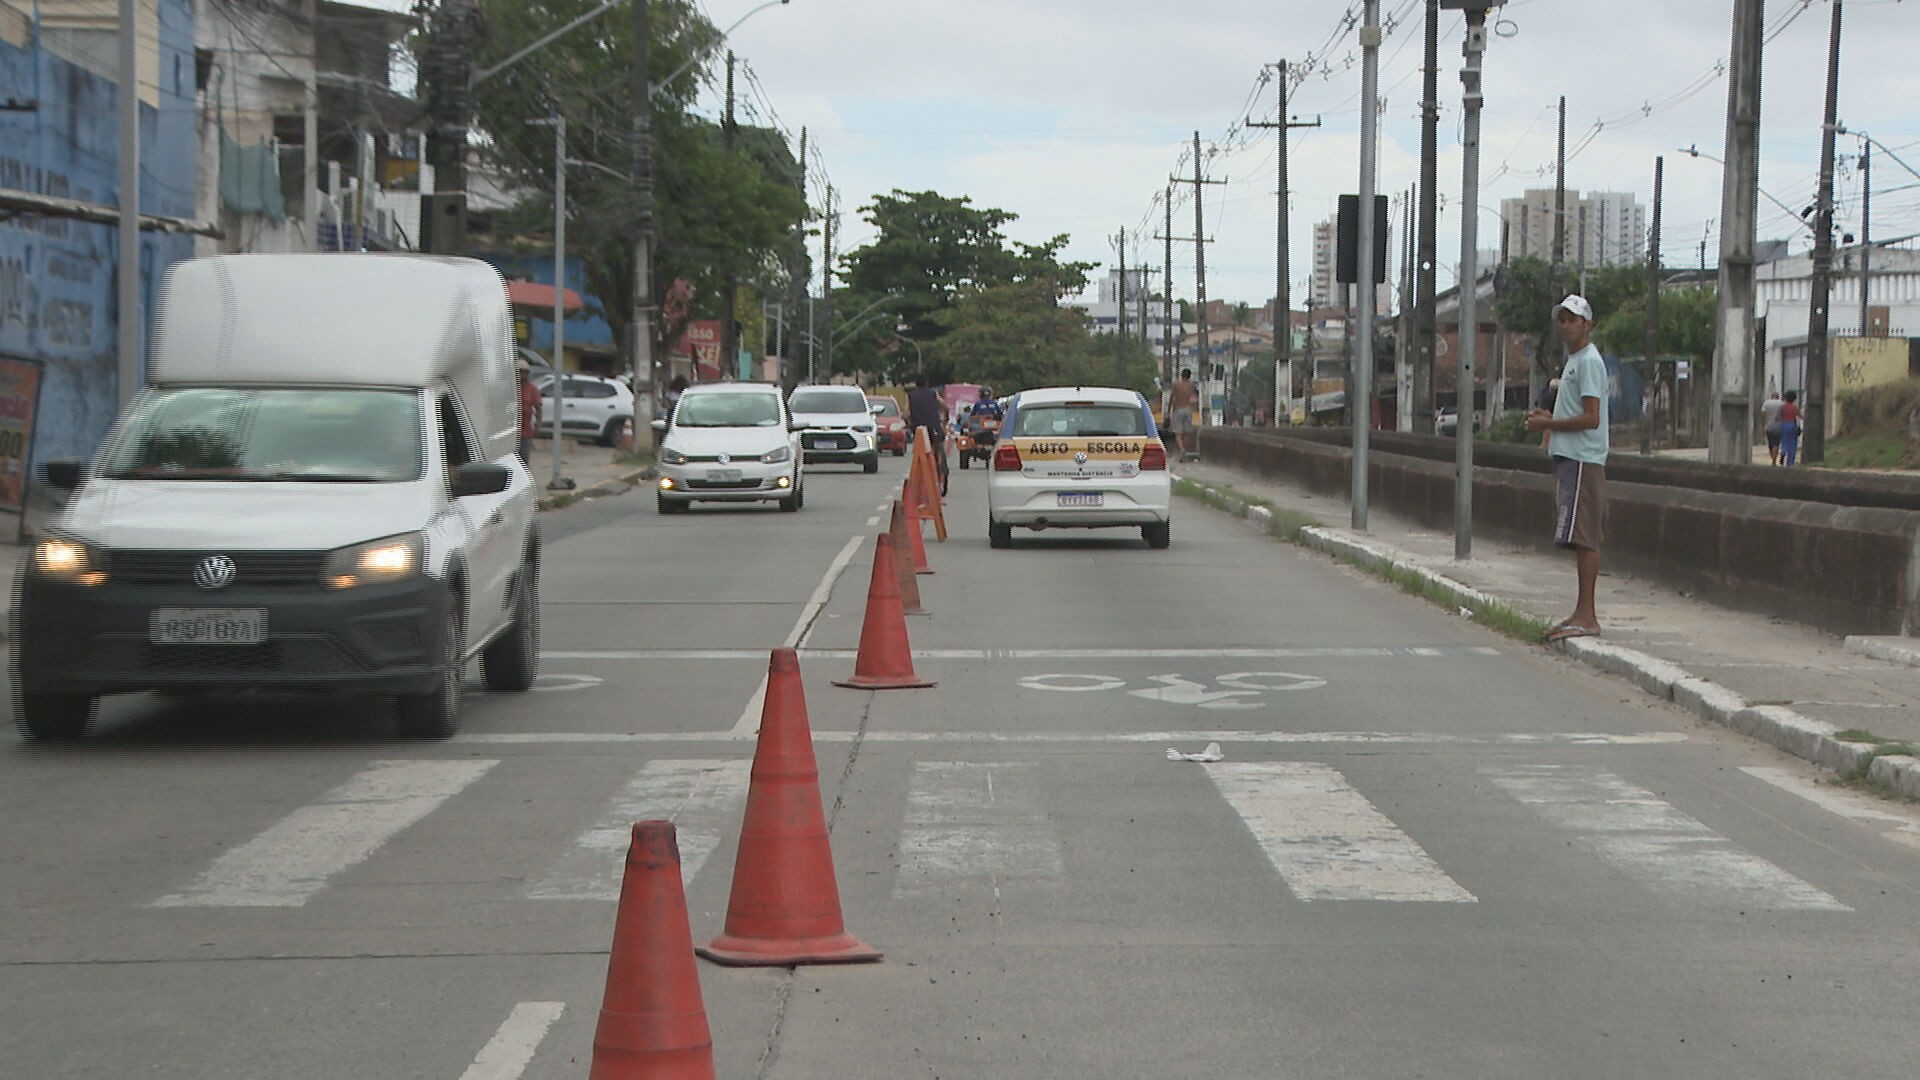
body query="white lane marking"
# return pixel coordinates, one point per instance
(1072, 684)
(1326, 840)
(699, 796)
(560, 684)
(295, 857)
(749, 722)
(1175, 690)
(821, 593)
(1421, 652)
(1402, 738)
(972, 821)
(507, 1055)
(874, 520)
(1848, 804)
(1653, 841)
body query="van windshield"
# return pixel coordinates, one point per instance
(291, 434)
(727, 410)
(847, 399)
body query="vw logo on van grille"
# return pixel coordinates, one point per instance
(724, 459)
(215, 572)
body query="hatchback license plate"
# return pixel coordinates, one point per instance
(1080, 498)
(723, 476)
(208, 626)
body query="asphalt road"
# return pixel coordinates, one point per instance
(1429, 851)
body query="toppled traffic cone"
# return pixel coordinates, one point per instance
(653, 1023)
(903, 572)
(886, 659)
(785, 907)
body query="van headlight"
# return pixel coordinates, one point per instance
(376, 562)
(776, 456)
(69, 561)
(670, 456)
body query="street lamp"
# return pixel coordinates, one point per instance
(702, 54)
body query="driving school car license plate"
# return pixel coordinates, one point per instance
(1080, 498)
(723, 476)
(207, 626)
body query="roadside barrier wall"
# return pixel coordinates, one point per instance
(1790, 545)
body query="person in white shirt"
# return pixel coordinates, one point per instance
(1578, 445)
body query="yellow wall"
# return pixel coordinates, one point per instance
(1862, 362)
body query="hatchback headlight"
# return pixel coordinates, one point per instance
(69, 561)
(377, 562)
(776, 456)
(670, 456)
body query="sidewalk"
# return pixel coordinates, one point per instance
(1851, 706)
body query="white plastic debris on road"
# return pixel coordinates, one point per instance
(1211, 753)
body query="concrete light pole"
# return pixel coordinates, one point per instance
(1360, 380)
(558, 481)
(1471, 97)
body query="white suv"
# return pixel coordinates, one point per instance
(729, 442)
(836, 424)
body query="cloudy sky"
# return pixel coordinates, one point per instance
(1072, 114)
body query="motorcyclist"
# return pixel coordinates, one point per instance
(983, 410)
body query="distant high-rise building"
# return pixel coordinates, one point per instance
(1605, 228)
(1324, 291)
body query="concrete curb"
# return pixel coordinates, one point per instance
(1901, 650)
(1811, 740)
(619, 485)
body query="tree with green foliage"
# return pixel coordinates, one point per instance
(930, 252)
(1017, 336)
(713, 210)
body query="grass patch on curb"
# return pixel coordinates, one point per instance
(635, 458)
(1288, 525)
(1857, 777)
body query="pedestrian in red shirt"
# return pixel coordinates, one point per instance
(529, 412)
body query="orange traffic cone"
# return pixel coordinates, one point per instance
(785, 907)
(930, 485)
(653, 1024)
(886, 659)
(902, 570)
(909, 546)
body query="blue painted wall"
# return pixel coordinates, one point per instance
(57, 276)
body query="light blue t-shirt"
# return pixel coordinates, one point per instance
(1585, 376)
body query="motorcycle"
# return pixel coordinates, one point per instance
(976, 439)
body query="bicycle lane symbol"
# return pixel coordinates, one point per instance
(1178, 690)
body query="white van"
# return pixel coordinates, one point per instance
(318, 492)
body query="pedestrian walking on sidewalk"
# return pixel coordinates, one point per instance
(1578, 423)
(529, 411)
(1770, 423)
(1180, 402)
(1790, 429)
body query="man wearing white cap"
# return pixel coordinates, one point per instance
(1579, 446)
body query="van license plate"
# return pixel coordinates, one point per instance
(1080, 498)
(723, 476)
(207, 626)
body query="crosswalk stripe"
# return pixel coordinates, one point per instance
(1650, 839)
(700, 796)
(976, 821)
(1325, 839)
(296, 857)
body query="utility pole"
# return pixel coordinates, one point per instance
(1464, 412)
(1813, 439)
(1556, 350)
(448, 79)
(730, 291)
(1120, 316)
(826, 281)
(641, 166)
(1650, 370)
(1200, 275)
(1866, 228)
(796, 283)
(1730, 435)
(1403, 359)
(559, 481)
(131, 329)
(1282, 300)
(1166, 305)
(1361, 408)
(1426, 267)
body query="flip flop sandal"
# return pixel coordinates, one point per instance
(1568, 630)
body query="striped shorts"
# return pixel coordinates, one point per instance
(1580, 504)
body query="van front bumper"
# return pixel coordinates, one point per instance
(73, 639)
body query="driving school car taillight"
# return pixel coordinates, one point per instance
(1006, 458)
(1153, 458)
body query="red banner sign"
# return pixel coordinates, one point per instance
(19, 395)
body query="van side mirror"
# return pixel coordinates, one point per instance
(480, 478)
(66, 473)
(659, 426)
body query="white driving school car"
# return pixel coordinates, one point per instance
(1081, 457)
